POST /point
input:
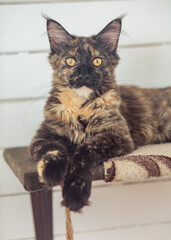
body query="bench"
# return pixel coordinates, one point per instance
(146, 162)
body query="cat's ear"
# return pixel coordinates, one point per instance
(109, 36)
(58, 36)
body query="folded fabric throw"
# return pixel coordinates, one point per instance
(145, 162)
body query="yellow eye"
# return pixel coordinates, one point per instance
(97, 62)
(70, 62)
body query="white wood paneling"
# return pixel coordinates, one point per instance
(118, 209)
(30, 74)
(46, 1)
(5, 2)
(19, 122)
(125, 205)
(147, 67)
(22, 27)
(157, 232)
(16, 218)
(9, 184)
(24, 76)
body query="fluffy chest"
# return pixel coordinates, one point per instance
(81, 119)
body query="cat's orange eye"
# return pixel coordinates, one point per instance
(97, 62)
(70, 62)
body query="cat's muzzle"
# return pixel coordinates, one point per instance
(85, 80)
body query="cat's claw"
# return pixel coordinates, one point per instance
(76, 192)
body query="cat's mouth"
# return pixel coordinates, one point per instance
(83, 86)
(83, 91)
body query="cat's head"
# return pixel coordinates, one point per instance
(85, 64)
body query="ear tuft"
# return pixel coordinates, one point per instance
(109, 36)
(58, 36)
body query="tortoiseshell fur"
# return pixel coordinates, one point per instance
(80, 132)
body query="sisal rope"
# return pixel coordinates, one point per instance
(68, 221)
(69, 228)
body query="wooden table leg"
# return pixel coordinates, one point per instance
(42, 212)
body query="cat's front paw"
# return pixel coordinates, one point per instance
(52, 168)
(76, 191)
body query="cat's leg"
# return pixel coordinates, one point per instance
(51, 153)
(77, 185)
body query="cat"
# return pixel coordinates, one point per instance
(88, 118)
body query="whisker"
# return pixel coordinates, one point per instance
(125, 33)
(128, 82)
(33, 104)
(38, 89)
(34, 96)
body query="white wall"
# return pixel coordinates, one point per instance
(118, 211)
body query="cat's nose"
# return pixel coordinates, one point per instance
(84, 73)
(84, 77)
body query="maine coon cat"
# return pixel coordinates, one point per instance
(88, 118)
